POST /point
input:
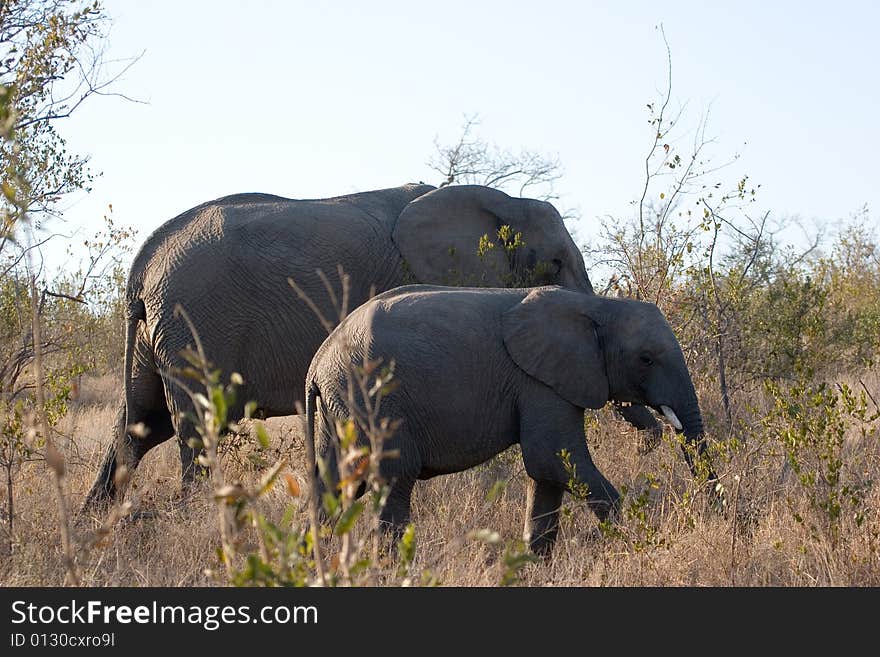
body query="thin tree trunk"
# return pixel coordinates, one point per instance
(9, 504)
(54, 458)
(722, 379)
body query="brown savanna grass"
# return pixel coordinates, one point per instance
(771, 535)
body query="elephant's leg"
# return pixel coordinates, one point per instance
(582, 477)
(550, 427)
(189, 465)
(190, 468)
(543, 499)
(127, 450)
(136, 430)
(104, 488)
(396, 513)
(602, 498)
(181, 413)
(325, 470)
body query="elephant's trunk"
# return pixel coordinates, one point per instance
(692, 427)
(575, 278)
(695, 449)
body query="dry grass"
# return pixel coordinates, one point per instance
(771, 536)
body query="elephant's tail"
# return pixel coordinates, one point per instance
(312, 395)
(137, 312)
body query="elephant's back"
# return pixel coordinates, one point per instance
(455, 383)
(256, 230)
(231, 229)
(444, 333)
(441, 308)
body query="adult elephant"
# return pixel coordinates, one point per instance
(227, 263)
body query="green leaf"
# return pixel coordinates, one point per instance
(331, 503)
(359, 566)
(348, 518)
(270, 477)
(406, 547)
(347, 433)
(262, 435)
(9, 192)
(515, 560)
(496, 491)
(219, 401)
(289, 513)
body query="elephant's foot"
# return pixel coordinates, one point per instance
(606, 510)
(542, 544)
(108, 487)
(395, 516)
(194, 475)
(603, 499)
(543, 499)
(390, 535)
(192, 472)
(99, 499)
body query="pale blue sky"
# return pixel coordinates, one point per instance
(308, 99)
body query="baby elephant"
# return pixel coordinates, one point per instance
(479, 369)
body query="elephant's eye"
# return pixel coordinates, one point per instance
(646, 360)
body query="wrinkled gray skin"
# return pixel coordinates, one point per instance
(226, 263)
(478, 370)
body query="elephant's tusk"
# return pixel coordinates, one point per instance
(672, 417)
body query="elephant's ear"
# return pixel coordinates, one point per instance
(439, 235)
(551, 336)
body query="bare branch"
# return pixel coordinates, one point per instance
(658, 135)
(59, 295)
(58, 110)
(473, 161)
